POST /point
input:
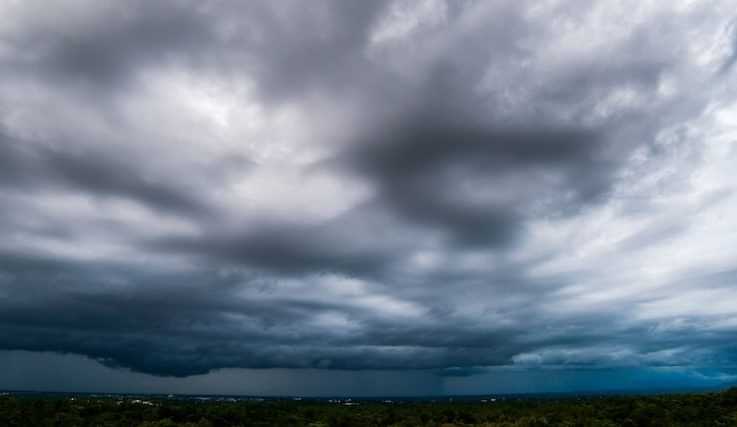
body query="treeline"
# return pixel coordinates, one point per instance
(707, 409)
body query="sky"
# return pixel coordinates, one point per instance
(367, 198)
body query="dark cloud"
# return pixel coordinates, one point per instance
(731, 32)
(446, 175)
(180, 325)
(446, 187)
(299, 248)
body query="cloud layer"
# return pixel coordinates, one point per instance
(452, 186)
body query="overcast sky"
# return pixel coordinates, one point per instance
(367, 197)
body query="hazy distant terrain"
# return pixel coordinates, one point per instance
(705, 409)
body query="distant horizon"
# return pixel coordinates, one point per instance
(627, 392)
(74, 374)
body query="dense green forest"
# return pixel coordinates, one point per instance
(706, 409)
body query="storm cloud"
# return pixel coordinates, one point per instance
(456, 187)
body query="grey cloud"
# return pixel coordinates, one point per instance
(96, 172)
(476, 141)
(107, 44)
